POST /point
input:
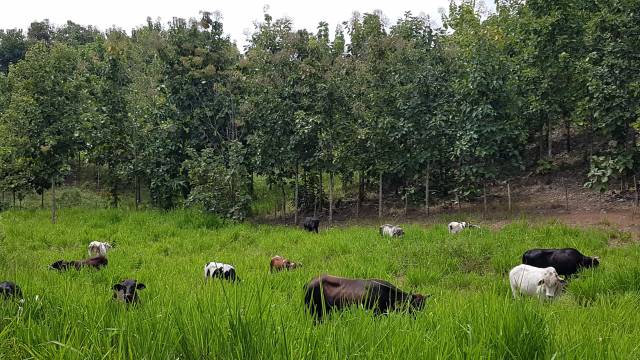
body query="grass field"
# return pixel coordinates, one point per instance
(471, 313)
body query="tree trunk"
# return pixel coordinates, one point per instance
(284, 203)
(484, 197)
(13, 192)
(137, 191)
(296, 201)
(358, 195)
(635, 186)
(330, 197)
(380, 196)
(509, 195)
(98, 176)
(549, 140)
(54, 216)
(42, 199)
(321, 191)
(426, 189)
(568, 128)
(406, 199)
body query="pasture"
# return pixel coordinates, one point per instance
(471, 313)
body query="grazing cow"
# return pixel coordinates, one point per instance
(327, 292)
(391, 230)
(279, 263)
(125, 290)
(566, 261)
(534, 281)
(9, 289)
(311, 224)
(95, 262)
(455, 227)
(220, 270)
(97, 248)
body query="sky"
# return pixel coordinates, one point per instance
(238, 16)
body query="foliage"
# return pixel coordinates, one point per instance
(603, 169)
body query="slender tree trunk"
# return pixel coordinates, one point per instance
(321, 191)
(13, 192)
(566, 194)
(98, 177)
(635, 186)
(406, 199)
(484, 197)
(458, 201)
(137, 191)
(549, 140)
(296, 200)
(358, 194)
(426, 189)
(330, 197)
(509, 195)
(380, 196)
(42, 199)
(284, 203)
(568, 128)
(54, 215)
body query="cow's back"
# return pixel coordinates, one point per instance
(565, 261)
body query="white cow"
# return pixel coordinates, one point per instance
(455, 227)
(534, 281)
(220, 270)
(97, 248)
(391, 230)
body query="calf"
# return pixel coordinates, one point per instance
(566, 261)
(455, 227)
(533, 281)
(327, 292)
(95, 262)
(97, 248)
(125, 291)
(221, 271)
(391, 230)
(279, 263)
(9, 289)
(311, 224)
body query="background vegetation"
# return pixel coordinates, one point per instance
(400, 107)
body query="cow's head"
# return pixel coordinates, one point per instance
(550, 285)
(398, 231)
(593, 262)
(126, 290)
(59, 265)
(417, 302)
(291, 265)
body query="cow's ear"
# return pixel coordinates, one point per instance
(140, 286)
(541, 282)
(117, 287)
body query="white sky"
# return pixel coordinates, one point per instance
(238, 15)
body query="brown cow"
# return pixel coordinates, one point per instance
(279, 263)
(327, 292)
(95, 262)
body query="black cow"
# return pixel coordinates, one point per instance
(125, 291)
(9, 289)
(327, 292)
(95, 262)
(566, 261)
(311, 224)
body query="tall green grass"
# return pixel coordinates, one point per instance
(470, 315)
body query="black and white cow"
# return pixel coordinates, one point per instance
(391, 230)
(221, 271)
(455, 227)
(9, 289)
(311, 224)
(566, 261)
(126, 290)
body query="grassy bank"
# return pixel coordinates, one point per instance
(470, 315)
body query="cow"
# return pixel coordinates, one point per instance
(391, 230)
(326, 292)
(311, 224)
(9, 289)
(455, 227)
(221, 271)
(534, 281)
(566, 261)
(97, 248)
(95, 262)
(126, 291)
(279, 263)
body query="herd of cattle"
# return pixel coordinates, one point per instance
(539, 275)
